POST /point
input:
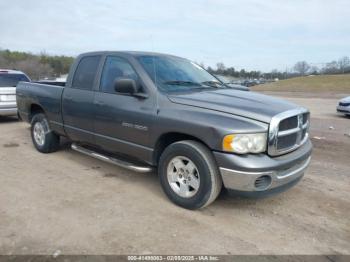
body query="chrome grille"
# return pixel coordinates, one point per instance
(288, 123)
(288, 131)
(286, 141)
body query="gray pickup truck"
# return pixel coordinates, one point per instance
(145, 110)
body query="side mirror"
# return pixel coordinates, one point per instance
(125, 86)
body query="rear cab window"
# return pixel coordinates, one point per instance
(11, 80)
(85, 74)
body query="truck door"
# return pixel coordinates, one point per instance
(122, 122)
(77, 101)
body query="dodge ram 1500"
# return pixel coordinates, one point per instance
(145, 110)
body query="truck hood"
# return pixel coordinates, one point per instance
(246, 104)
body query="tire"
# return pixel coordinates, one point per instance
(44, 140)
(185, 160)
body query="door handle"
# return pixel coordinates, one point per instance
(68, 98)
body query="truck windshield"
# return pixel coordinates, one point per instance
(172, 74)
(11, 80)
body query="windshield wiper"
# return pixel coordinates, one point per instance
(213, 84)
(179, 82)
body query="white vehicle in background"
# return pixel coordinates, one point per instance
(344, 106)
(8, 83)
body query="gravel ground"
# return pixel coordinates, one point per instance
(69, 203)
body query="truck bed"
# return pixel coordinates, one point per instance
(47, 96)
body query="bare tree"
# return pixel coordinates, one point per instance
(302, 67)
(3, 62)
(220, 68)
(274, 74)
(343, 64)
(314, 70)
(33, 68)
(331, 68)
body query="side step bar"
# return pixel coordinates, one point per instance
(111, 160)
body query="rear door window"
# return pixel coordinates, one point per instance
(11, 80)
(85, 73)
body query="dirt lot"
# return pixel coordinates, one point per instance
(69, 202)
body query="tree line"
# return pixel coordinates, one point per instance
(36, 66)
(301, 68)
(39, 66)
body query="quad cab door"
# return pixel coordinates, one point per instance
(77, 101)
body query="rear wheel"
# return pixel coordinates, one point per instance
(189, 175)
(44, 140)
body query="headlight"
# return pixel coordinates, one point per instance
(245, 143)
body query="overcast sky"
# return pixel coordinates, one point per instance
(250, 34)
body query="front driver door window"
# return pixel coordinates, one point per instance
(115, 67)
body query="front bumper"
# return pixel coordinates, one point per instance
(262, 173)
(8, 108)
(8, 111)
(343, 109)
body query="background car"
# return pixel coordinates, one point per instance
(8, 82)
(344, 106)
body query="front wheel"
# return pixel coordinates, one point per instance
(189, 175)
(44, 140)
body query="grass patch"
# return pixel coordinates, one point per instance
(322, 83)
